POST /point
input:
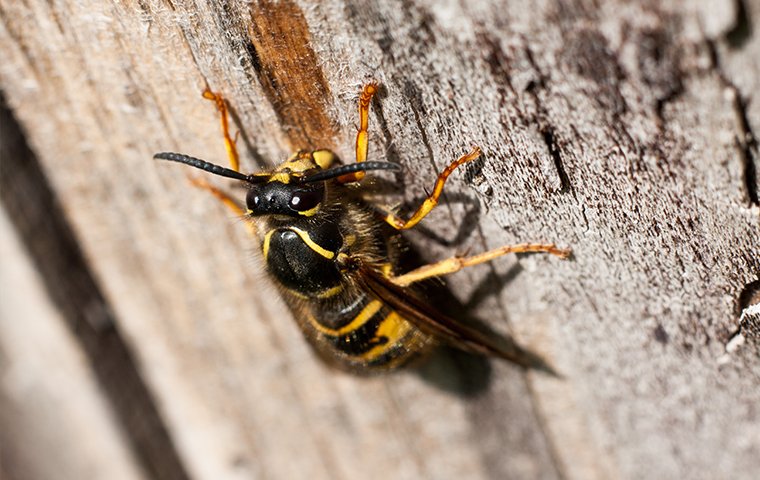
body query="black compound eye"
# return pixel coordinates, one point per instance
(303, 200)
(252, 199)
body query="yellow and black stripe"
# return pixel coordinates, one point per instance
(366, 331)
(356, 326)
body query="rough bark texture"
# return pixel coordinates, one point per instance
(625, 131)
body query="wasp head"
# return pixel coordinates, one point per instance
(287, 191)
(278, 198)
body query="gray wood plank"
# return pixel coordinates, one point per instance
(623, 130)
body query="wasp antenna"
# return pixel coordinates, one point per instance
(351, 168)
(206, 166)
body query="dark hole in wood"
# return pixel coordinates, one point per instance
(742, 30)
(750, 324)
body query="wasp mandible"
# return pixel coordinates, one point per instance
(336, 257)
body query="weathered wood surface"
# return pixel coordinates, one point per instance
(621, 130)
(53, 421)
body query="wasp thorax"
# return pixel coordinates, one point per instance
(277, 198)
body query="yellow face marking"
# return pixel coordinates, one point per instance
(312, 244)
(310, 212)
(394, 328)
(281, 177)
(363, 317)
(265, 247)
(323, 158)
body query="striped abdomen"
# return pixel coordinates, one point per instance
(351, 326)
(364, 332)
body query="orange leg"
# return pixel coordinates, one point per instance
(432, 200)
(362, 139)
(229, 142)
(454, 264)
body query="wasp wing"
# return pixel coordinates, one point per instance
(445, 328)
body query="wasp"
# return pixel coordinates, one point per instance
(336, 256)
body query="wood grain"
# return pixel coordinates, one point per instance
(286, 68)
(49, 394)
(626, 131)
(83, 324)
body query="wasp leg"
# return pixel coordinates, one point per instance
(432, 200)
(226, 200)
(362, 140)
(454, 264)
(229, 142)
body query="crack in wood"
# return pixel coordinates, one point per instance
(749, 324)
(746, 140)
(41, 224)
(741, 31)
(554, 150)
(748, 146)
(750, 295)
(499, 65)
(748, 328)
